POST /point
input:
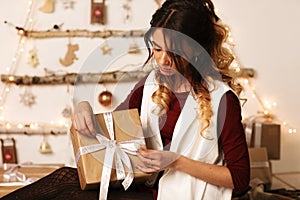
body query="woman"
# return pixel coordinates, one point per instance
(189, 109)
(185, 42)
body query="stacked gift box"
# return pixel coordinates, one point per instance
(263, 139)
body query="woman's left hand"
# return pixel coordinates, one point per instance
(156, 160)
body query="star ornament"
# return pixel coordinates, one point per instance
(106, 49)
(27, 98)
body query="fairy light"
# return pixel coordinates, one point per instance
(20, 126)
(20, 49)
(266, 106)
(7, 126)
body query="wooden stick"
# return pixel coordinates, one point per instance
(80, 33)
(74, 78)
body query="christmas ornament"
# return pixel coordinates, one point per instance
(127, 11)
(105, 49)
(27, 98)
(48, 6)
(105, 98)
(70, 55)
(67, 112)
(134, 49)
(68, 4)
(45, 146)
(97, 12)
(8, 148)
(33, 59)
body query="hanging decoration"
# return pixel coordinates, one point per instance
(127, 11)
(105, 98)
(134, 49)
(27, 98)
(45, 147)
(68, 4)
(48, 6)
(70, 55)
(97, 12)
(8, 147)
(67, 111)
(33, 59)
(105, 48)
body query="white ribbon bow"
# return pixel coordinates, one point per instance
(114, 150)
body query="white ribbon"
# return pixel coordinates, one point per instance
(12, 175)
(114, 151)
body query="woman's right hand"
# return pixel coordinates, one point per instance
(83, 119)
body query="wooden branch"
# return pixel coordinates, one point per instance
(244, 73)
(79, 33)
(30, 131)
(74, 78)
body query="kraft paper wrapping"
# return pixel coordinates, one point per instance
(127, 126)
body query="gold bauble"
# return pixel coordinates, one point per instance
(105, 98)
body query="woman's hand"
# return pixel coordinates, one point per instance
(84, 119)
(156, 160)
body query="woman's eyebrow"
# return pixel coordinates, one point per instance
(155, 44)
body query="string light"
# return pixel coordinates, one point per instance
(266, 107)
(15, 127)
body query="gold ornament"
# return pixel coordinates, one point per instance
(134, 49)
(33, 59)
(106, 49)
(105, 98)
(48, 6)
(45, 146)
(70, 55)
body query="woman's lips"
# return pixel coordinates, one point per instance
(165, 69)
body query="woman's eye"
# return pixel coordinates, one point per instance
(156, 49)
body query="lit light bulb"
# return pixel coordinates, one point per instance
(11, 78)
(7, 125)
(284, 123)
(266, 112)
(20, 126)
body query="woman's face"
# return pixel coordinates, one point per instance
(161, 55)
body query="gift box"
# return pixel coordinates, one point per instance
(260, 167)
(264, 134)
(125, 125)
(15, 176)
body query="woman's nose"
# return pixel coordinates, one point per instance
(164, 58)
